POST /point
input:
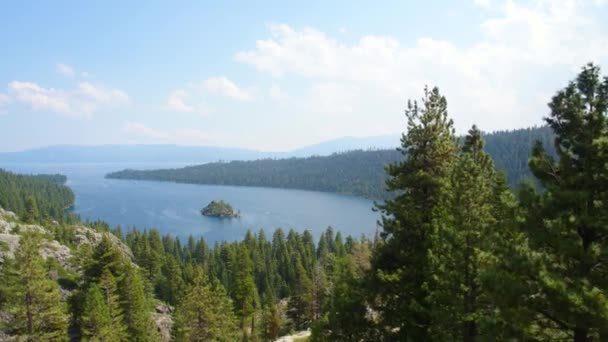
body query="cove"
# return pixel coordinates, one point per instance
(175, 208)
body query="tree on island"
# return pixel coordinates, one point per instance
(219, 209)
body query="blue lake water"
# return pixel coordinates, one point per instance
(175, 208)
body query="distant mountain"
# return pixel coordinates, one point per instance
(348, 144)
(185, 154)
(130, 153)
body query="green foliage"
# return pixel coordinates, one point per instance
(96, 319)
(401, 266)
(171, 285)
(285, 268)
(31, 214)
(33, 302)
(136, 307)
(460, 301)
(244, 290)
(219, 209)
(35, 197)
(357, 172)
(345, 310)
(301, 300)
(271, 320)
(205, 314)
(562, 255)
(53, 178)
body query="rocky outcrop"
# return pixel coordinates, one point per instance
(85, 235)
(163, 321)
(10, 230)
(9, 240)
(8, 245)
(49, 248)
(53, 249)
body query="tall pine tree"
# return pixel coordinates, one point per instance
(567, 224)
(459, 249)
(401, 270)
(96, 320)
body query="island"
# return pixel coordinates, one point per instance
(220, 209)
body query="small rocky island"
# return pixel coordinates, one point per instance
(220, 209)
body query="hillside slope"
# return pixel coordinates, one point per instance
(356, 172)
(61, 253)
(49, 193)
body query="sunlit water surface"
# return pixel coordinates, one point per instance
(175, 208)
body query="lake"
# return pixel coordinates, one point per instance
(175, 208)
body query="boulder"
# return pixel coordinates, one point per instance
(164, 324)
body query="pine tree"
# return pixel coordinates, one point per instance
(401, 269)
(345, 314)
(567, 224)
(105, 256)
(96, 320)
(109, 290)
(205, 314)
(153, 259)
(172, 284)
(283, 263)
(34, 301)
(244, 291)
(458, 251)
(31, 214)
(300, 302)
(137, 314)
(271, 320)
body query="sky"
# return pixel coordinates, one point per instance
(276, 75)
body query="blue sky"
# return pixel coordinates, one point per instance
(276, 75)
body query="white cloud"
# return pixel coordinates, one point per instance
(483, 3)
(333, 98)
(139, 132)
(4, 99)
(84, 101)
(222, 86)
(65, 70)
(40, 98)
(276, 92)
(101, 94)
(501, 81)
(177, 102)
(187, 100)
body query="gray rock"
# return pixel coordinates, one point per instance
(9, 240)
(162, 308)
(8, 245)
(164, 324)
(58, 251)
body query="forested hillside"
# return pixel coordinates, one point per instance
(357, 172)
(53, 178)
(510, 150)
(36, 195)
